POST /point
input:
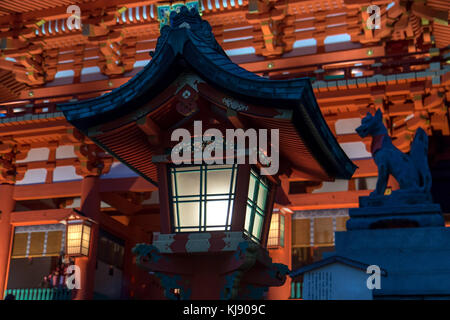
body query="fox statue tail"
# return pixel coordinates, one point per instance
(419, 155)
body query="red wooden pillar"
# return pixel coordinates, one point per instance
(90, 206)
(127, 269)
(130, 270)
(7, 204)
(283, 254)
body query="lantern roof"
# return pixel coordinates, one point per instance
(188, 45)
(76, 216)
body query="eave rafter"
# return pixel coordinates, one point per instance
(151, 129)
(116, 34)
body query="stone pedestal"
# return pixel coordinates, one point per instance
(402, 210)
(416, 260)
(405, 236)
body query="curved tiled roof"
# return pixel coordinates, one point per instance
(189, 44)
(332, 259)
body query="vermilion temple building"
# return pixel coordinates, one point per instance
(87, 114)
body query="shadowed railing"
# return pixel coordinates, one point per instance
(40, 294)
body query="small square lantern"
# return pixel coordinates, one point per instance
(78, 235)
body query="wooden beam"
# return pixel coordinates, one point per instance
(314, 59)
(235, 119)
(351, 137)
(34, 217)
(326, 200)
(73, 188)
(34, 128)
(137, 184)
(145, 210)
(115, 227)
(47, 190)
(37, 205)
(120, 203)
(99, 86)
(150, 128)
(366, 168)
(147, 221)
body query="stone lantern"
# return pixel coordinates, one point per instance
(177, 124)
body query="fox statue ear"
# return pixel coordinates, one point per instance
(378, 114)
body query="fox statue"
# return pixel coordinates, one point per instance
(410, 170)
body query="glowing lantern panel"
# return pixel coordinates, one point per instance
(202, 197)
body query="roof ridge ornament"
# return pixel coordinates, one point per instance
(165, 11)
(185, 16)
(185, 25)
(188, 18)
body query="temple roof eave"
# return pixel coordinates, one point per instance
(224, 75)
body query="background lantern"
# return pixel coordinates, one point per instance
(78, 235)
